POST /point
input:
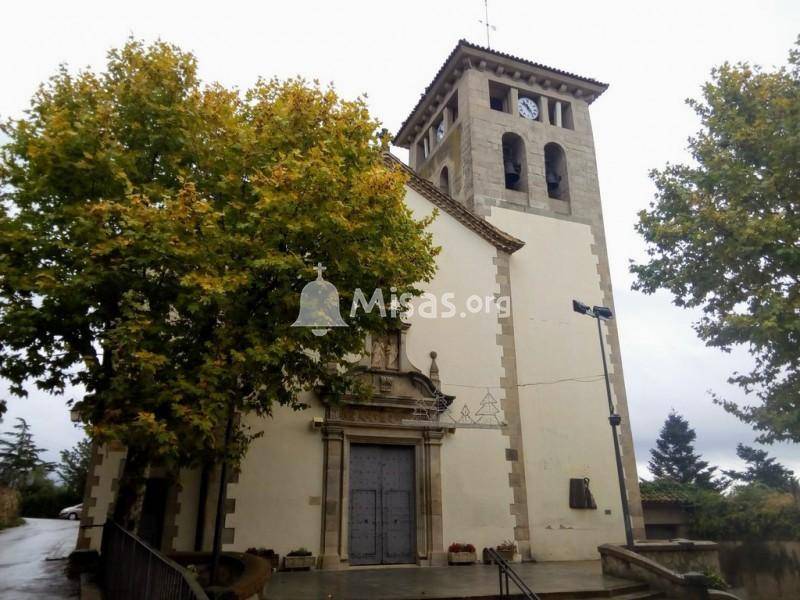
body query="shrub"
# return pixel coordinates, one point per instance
(459, 547)
(749, 512)
(752, 512)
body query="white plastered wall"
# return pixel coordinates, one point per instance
(279, 491)
(186, 519)
(565, 426)
(476, 496)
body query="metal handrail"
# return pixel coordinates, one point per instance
(506, 573)
(133, 570)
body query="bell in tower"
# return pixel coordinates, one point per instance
(512, 168)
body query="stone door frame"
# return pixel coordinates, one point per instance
(337, 438)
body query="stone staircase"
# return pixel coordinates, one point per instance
(632, 591)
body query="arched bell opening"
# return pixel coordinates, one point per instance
(555, 172)
(444, 181)
(515, 165)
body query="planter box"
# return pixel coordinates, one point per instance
(508, 555)
(461, 558)
(298, 562)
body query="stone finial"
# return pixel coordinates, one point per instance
(434, 370)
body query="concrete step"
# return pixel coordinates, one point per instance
(616, 592)
(634, 591)
(646, 594)
(643, 595)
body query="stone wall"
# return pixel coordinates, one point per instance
(761, 570)
(682, 556)
(9, 506)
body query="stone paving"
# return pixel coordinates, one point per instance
(413, 583)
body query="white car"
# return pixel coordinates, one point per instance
(71, 512)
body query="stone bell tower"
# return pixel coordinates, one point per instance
(495, 130)
(512, 141)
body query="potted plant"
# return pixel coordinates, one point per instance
(507, 550)
(461, 554)
(298, 559)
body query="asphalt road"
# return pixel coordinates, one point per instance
(33, 560)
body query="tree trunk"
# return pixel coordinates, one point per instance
(128, 507)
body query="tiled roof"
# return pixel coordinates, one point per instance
(664, 493)
(498, 238)
(465, 45)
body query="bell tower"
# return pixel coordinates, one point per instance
(511, 140)
(496, 130)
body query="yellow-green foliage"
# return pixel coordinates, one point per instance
(722, 234)
(155, 234)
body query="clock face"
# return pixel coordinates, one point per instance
(440, 131)
(528, 108)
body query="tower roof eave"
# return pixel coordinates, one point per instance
(465, 52)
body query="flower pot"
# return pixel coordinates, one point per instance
(461, 558)
(291, 563)
(508, 555)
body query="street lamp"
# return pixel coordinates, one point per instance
(602, 313)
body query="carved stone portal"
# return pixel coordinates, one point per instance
(397, 388)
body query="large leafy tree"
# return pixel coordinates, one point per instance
(762, 469)
(723, 234)
(674, 457)
(20, 457)
(156, 233)
(74, 467)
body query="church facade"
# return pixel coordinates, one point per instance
(489, 419)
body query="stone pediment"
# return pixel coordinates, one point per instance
(396, 386)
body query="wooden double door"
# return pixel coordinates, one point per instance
(382, 508)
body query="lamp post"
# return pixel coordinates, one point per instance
(602, 313)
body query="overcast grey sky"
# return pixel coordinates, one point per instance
(654, 55)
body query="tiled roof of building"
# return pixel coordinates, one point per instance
(498, 238)
(664, 493)
(464, 45)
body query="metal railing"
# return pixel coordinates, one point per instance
(505, 574)
(132, 570)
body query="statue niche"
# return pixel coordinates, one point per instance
(385, 352)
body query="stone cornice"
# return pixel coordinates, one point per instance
(466, 56)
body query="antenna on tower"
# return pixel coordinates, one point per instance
(486, 23)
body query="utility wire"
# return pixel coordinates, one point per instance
(585, 379)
